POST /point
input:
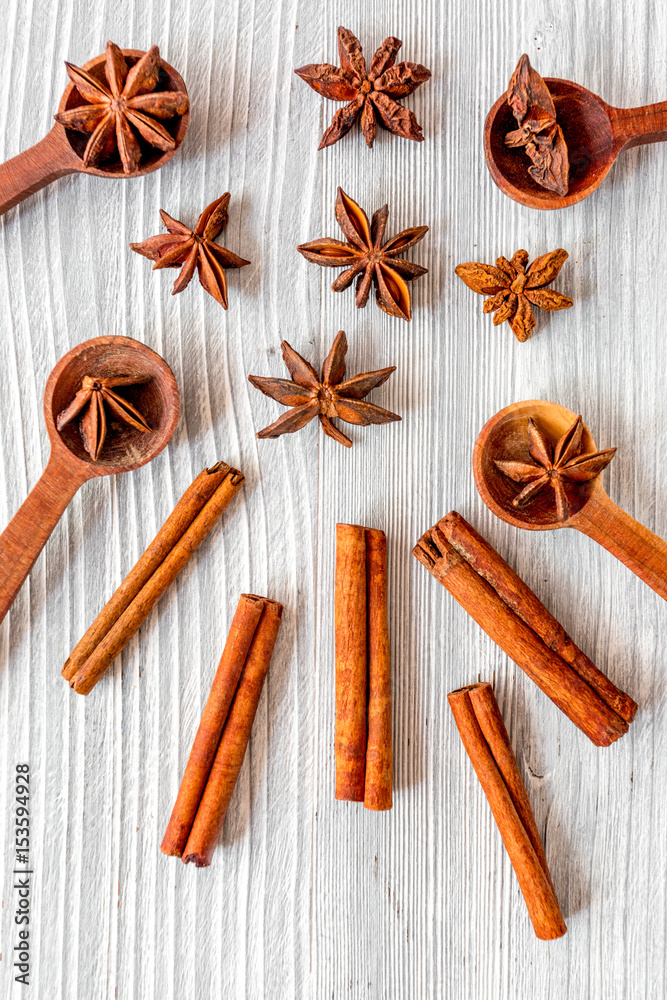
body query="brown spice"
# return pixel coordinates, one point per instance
(90, 401)
(515, 288)
(369, 260)
(539, 132)
(514, 617)
(325, 398)
(485, 739)
(124, 113)
(368, 93)
(197, 512)
(195, 248)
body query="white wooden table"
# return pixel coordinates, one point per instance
(308, 897)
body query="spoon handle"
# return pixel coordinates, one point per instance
(636, 126)
(26, 534)
(36, 167)
(642, 551)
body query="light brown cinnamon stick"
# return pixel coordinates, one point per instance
(124, 613)
(351, 662)
(241, 634)
(231, 749)
(485, 739)
(581, 696)
(378, 781)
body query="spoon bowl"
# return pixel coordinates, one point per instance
(594, 131)
(69, 464)
(60, 152)
(505, 438)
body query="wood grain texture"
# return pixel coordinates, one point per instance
(307, 897)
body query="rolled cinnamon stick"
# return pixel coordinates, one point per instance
(485, 739)
(233, 742)
(121, 618)
(558, 678)
(378, 781)
(351, 662)
(241, 634)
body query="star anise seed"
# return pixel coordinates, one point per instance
(127, 107)
(514, 289)
(555, 465)
(369, 93)
(369, 260)
(190, 248)
(328, 397)
(539, 132)
(94, 395)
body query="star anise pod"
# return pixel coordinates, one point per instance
(555, 465)
(190, 248)
(94, 395)
(368, 259)
(514, 289)
(539, 132)
(326, 397)
(126, 109)
(369, 93)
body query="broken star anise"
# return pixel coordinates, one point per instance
(94, 395)
(539, 132)
(190, 248)
(514, 289)
(127, 107)
(555, 465)
(309, 396)
(368, 259)
(369, 93)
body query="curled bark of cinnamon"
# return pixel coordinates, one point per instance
(185, 529)
(363, 693)
(485, 739)
(511, 614)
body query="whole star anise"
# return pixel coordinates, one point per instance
(555, 465)
(127, 107)
(539, 132)
(369, 93)
(514, 288)
(310, 397)
(368, 259)
(190, 248)
(91, 399)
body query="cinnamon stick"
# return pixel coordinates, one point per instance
(241, 634)
(378, 782)
(231, 748)
(351, 662)
(193, 518)
(363, 695)
(509, 612)
(485, 739)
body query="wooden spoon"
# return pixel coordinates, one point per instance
(61, 151)
(505, 437)
(69, 465)
(595, 134)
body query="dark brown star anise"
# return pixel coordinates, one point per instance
(555, 465)
(539, 132)
(128, 105)
(514, 288)
(310, 397)
(369, 93)
(91, 399)
(368, 259)
(190, 248)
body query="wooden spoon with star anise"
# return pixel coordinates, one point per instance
(536, 466)
(110, 405)
(124, 114)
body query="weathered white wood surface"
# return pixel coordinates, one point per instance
(307, 897)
